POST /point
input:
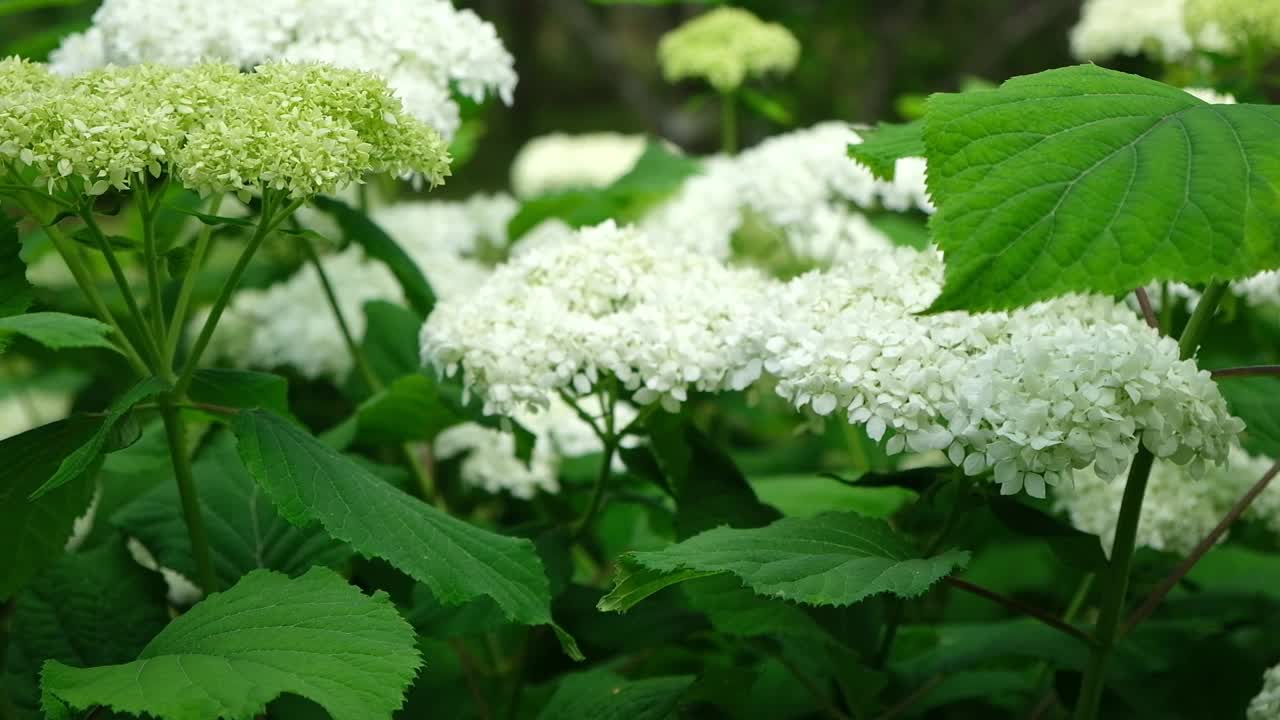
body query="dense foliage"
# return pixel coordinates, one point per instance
(970, 411)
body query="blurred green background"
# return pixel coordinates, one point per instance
(587, 66)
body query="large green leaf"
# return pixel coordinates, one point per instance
(309, 482)
(15, 291)
(358, 228)
(881, 148)
(708, 488)
(79, 460)
(58, 331)
(240, 389)
(1086, 179)
(314, 636)
(831, 559)
(808, 495)
(245, 531)
(97, 607)
(410, 408)
(603, 695)
(34, 532)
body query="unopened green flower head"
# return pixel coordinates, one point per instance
(725, 47)
(302, 129)
(1232, 25)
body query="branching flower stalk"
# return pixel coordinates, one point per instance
(211, 129)
(1115, 576)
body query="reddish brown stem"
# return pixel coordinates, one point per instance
(1249, 371)
(1022, 608)
(1166, 586)
(1148, 312)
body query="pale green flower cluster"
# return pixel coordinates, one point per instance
(301, 129)
(725, 47)
(1236, 24)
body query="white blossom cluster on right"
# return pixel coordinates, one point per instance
(1031, 395)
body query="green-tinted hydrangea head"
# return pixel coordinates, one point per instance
(301, 129)
(1235, 24)
(725, 47)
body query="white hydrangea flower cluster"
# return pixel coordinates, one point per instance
(1179, 508)
(420, 48)
(803, 183)
(491, 463)
(1131, 27)
(1266, 705)
(1031, 394)
(557, 162)
(291, 324)
(608, 301)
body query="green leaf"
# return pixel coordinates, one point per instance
(765, 106)
(79, 460)
(658, 172)
(809, 495)
(212, 220)
(241, 389)
(58, 330)
(708, 488)
(390, 341)
(34, 532)
(409, 409)
(1077, 548)
(735, 610)
(603, 695)
(309, 482)
(314, 636)
(358, 228)
(1086, 179)
(634, 583)
(15, 291)
(97, 607)
(13, 7)
(832, 559)
(1256, 400)
(245, 531)
(881, 148)
(89, 239)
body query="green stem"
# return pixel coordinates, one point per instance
(87, 286)
(176, 431)
(149, 342)
(609, 437)
(146, 213)
(1115, 577)
(357, 355)
(1189, 342)
(1166, 309)
(266, 224)
(728, 123)
(188, 284)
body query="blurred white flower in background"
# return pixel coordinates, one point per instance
(1266, 705)
(1179, 507)
(557, 162)
(422, 48)
(1131, 27)
(796, 182)
(491, 463)
(22, 409)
